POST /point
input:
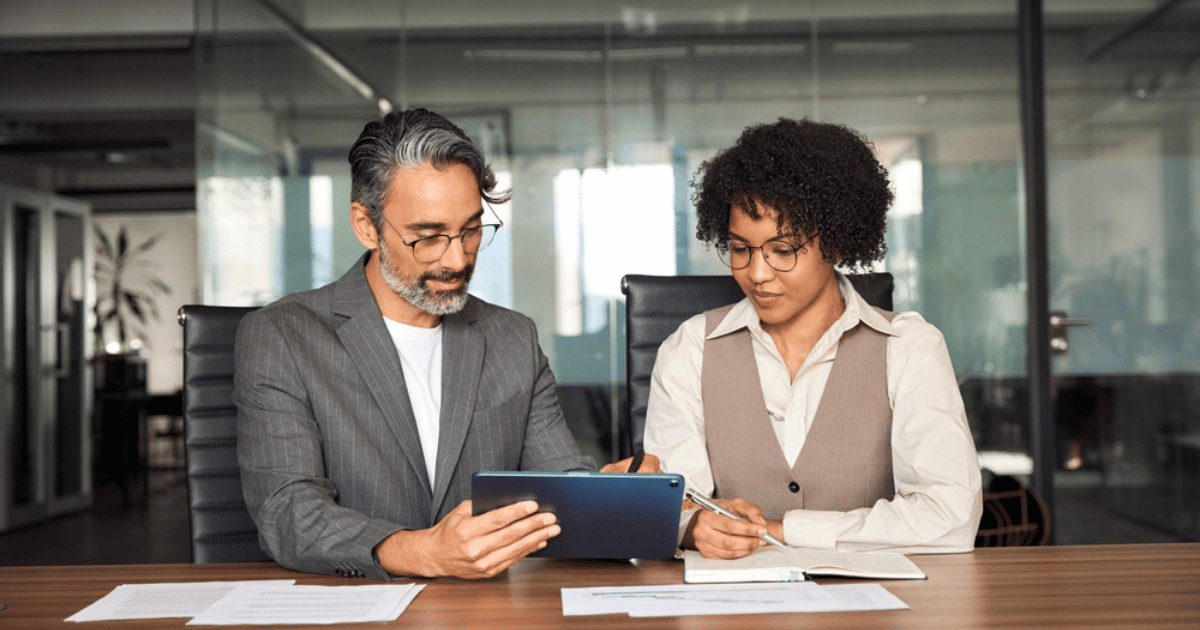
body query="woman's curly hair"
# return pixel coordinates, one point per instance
(821, 178)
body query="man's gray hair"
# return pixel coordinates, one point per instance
(410, 139)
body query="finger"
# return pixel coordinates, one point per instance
(503, 556)
(716, 544)
(731, 527)
(754, 514)
(746, 510)
(620, 466)
(651, 464)
(544, 525)
(711, 551)
(499, 518)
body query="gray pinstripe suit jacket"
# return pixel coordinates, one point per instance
(327, 444)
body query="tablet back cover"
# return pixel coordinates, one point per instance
(602, 515)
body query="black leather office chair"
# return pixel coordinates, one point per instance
(222, 530)
(656, 305)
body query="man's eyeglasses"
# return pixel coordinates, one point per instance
(431, 248)
(779, 254)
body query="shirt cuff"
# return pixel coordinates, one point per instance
(811, 528)
(685, 518)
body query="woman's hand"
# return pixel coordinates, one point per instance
(717, 536)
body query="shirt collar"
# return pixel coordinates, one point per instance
(858, 310)
(742, 315)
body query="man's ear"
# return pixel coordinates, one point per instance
(364, 227)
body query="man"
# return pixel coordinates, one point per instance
(365, 406)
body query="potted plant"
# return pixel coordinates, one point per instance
(126, 289)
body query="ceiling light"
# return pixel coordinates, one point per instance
(749, 50)
(509, 54)
(872, 47)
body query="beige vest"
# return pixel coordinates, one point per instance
(846, 461)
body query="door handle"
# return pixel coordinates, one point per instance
(60, 337)
(1059, 323)
(63, 369)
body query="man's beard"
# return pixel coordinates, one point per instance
(416, 291)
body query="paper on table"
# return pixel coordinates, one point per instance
(727, 599)
(681, 599)
(159, 601)
(252, 604)
(775, 598)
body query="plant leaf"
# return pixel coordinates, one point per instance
(160, 285)
(131, 302)
(148, 243)
(103, 244)
(122, 243)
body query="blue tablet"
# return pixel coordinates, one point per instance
(602, 515)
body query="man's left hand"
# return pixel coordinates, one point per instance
(649, 465)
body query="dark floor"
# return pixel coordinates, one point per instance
(1080, 519)
(148, 531)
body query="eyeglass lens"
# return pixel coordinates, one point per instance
(779, 255)
(432, 248)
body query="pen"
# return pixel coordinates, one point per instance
(637, 461)
(707, 504)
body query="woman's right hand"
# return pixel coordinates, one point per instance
(716, 536)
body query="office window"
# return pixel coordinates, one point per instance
(581, 104)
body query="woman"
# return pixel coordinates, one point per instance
(818, 419)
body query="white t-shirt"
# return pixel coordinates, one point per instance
(420, 352)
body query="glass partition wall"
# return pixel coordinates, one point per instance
(598, 115)
(1123, 138)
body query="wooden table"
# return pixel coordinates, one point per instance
(1094, 587)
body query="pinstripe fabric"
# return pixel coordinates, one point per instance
(330, 456)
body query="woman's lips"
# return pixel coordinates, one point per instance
(764, 297)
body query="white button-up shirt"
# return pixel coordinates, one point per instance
(938, 500)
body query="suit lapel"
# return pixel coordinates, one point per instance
(463, 349)
(368, 343)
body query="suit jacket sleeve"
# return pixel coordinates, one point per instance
(284, 477)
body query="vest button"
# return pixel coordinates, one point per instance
(794, 487)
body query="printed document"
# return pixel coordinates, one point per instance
(252, 603)
(160, 601)
(726, 599)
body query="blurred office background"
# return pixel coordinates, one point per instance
(219, 129)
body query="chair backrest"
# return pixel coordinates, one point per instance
(656, 305)
(1013, 515)
(222, 530)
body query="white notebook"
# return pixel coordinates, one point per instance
(793, 564)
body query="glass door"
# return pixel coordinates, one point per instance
(66, 372)
(24, 483)
(45, 429)
(1123, 139)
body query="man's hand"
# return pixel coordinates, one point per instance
(716, 536)
(467, 546)
(649, 465)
